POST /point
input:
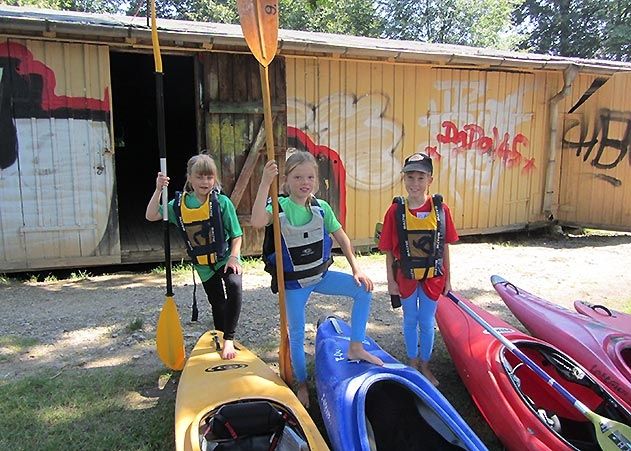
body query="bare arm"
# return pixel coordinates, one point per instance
(260, 217)
(153, 207)
(235, 251)
(347, 250)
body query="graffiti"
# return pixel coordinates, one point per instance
(457, 121)
(52, 160)
(605, 151)
(352, 141)
(27, 90)
(357, 128)
(330, 170)
(472, 136)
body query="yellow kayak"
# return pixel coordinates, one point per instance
(238, 404)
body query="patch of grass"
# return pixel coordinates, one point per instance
(177, 269)
(50, 278)
(80, 275)
(369, 258)
(95, 409)
(33, 278)
(10, 345)
(134, 325)
(252, 264)
(18, 343)
(4, 280)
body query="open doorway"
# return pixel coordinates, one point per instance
(136, 143)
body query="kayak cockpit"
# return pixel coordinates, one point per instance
(397, 418)
(556, 413)
(253, 425)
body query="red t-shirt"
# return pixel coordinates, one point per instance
(389, 241)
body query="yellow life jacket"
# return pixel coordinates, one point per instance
(202, 229)
(421, 240)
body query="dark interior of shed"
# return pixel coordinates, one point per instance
(136, 142)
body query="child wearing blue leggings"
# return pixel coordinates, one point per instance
(415, 237)
(306, 224)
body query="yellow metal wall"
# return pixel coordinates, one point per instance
(484, 129)
(595, 172)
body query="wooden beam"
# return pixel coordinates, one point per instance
(255, 107)
(248, 168)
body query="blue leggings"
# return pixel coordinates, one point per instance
(418, 324)
(333, 283)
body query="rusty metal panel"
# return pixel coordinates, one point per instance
(57, 175)
(595, 175)
(484, 129)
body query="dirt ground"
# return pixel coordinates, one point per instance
(72, 323)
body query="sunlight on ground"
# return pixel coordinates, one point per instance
(135, 401)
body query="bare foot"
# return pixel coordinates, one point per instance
(423, 367)
(356, 351)
(302, 393)
(228, 352)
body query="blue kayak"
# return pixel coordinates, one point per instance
(394, 407)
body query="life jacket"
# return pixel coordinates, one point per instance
(421, 240)
(202, 229)
(306, 249)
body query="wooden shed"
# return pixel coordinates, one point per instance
(517, 139)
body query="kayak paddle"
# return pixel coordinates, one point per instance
(611, 435)
(169, 336)
(259, 22)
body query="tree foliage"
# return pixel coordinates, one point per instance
(482, 23)
(88, 6)
(586, 28)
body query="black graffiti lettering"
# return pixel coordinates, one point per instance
(582, 142)
(600, 140)
(270, 9)
(621, 145)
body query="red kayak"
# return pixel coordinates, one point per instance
(605, 351)
(615, 320)
(522, 409)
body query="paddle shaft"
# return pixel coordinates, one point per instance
(284, 362)
(159, 78)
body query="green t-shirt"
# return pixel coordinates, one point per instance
(231, 228)
(299, 215)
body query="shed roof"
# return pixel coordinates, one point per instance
(127, 31)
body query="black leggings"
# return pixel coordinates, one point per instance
(226, 307)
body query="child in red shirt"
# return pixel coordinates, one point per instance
(418, 297)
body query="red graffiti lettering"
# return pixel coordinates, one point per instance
(472, 136)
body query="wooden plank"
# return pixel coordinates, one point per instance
(255, 107)
(248, 168)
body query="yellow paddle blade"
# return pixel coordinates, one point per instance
(169, 336)
(259, 22)
(611, 435)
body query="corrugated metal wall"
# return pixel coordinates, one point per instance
(57, 177)
(486, 131)
(595, 173)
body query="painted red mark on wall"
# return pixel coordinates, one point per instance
(21, 60)
(473, 137)
(330, 167)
